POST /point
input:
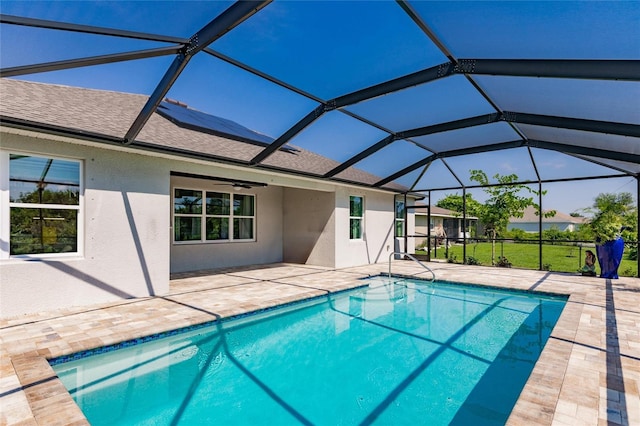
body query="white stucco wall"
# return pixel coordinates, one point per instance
(126, 234)
(309, 227)
(534, 227)
(267, 248)
(378, 239)
(128, 248)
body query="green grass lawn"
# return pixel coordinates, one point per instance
(558, 258)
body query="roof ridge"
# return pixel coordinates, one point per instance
(68, 86)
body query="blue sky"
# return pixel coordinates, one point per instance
(337, 47)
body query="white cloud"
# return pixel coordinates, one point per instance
(557, 165)
(508, 167)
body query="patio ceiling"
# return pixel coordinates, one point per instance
(387, 87)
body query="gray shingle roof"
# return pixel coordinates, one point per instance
(111, 114)
(531, 216)
(438, 211)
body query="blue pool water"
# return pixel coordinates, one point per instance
(400, 352)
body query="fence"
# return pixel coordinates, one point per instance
(552, 255)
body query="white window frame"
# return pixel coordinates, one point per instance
(360, 218)
(6, 205)
(203, 216)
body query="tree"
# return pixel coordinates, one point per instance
(613, 215)
(503, 203)
(454, 203)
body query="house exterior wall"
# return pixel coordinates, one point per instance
(127, 236)
(378, 237)
(422, 227)
(308, 225)
(533, 227)
(268, 244)
(125, 226)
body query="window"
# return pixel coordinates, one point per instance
(43, 205)
(400, 211)
(243, 206)
(218, 213)
(356, 217)
(217, 220)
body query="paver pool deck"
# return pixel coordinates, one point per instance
(588, 373)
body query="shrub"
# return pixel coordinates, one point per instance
(472, 261)
(503, 262)
(627, 272)
(554, 234)
(519, 235)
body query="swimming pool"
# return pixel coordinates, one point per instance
(392, 352)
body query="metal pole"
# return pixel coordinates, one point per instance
(579, 256)
(464, 225)
(404, 228)
(429, 228)
(540, 226)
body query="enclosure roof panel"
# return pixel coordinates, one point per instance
(369, 93)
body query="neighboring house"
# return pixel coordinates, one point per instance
(530, 221)
(88, 219)
(448, 220)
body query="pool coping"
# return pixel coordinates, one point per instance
(175, 332)
(546, 399)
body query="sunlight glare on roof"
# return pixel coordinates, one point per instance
(581, 138)
(554, 165)
(603, 100)
(536, 29)
(468, 137)
(622, 166)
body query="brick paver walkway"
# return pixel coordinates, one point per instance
(588, 373)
